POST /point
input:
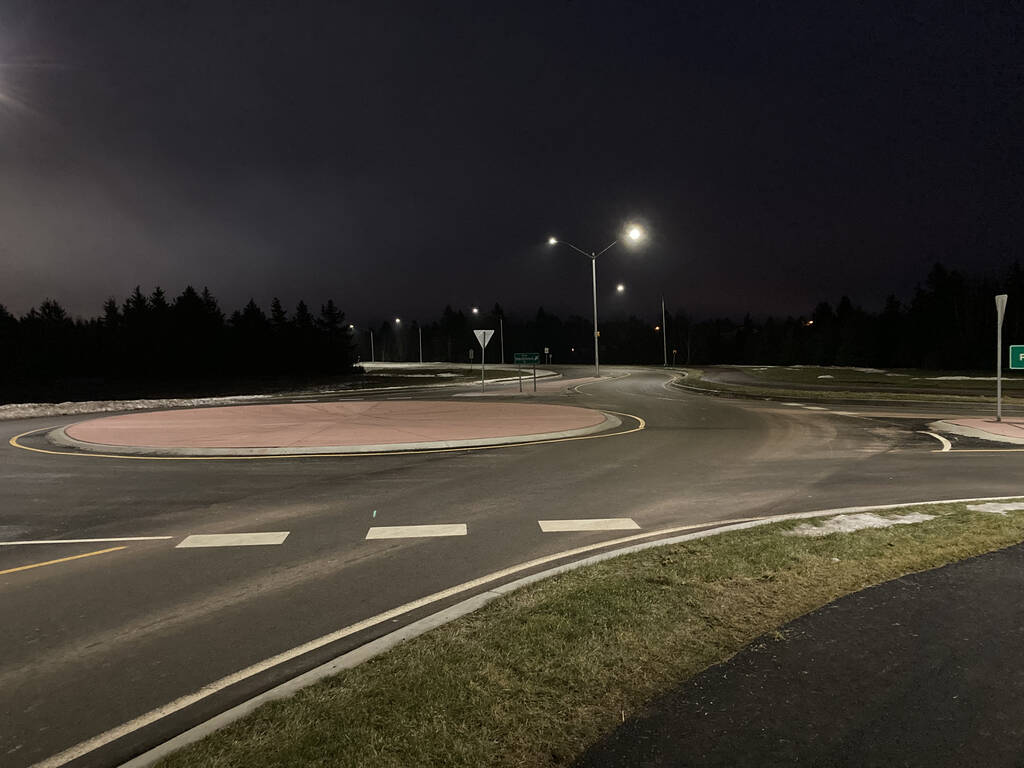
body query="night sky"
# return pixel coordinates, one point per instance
(401, 157)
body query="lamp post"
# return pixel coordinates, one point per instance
(352, 327)
(633, 234)
(1000, 312)
(501, 332)
(664, 328)
(398, 337)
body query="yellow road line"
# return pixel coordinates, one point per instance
(60, 560)
(599, 381)
(641, 424)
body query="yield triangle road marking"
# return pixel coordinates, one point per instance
(233, 539)
(589, 524)
(415, 531)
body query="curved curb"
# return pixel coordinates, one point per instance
(60, 437)
(374, 648)
(981, 434)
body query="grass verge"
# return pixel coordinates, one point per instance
(841, 388)
(535, 677)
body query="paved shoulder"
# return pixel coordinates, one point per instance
(925, 670)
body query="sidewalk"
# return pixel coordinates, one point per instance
(926, 670)
(1009, 430)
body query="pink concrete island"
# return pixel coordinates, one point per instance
(1009, 430)
(346, 427)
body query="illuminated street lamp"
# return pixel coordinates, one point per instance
(633, 234)
(352, 327)
(620, 288)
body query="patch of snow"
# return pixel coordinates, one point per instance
(826, 376)
(904, 375)
(870, 370)
(849, 523)
(33, 410)
(997, 508)
(959, 378)
(405, 375)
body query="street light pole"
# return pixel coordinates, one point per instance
(420, 329)
(634, 234)
(593, 275)
(501, 330)
(664, 340)
(1000, 311)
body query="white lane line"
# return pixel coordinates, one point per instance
(82, 541)
(415, 531)
(793, 405)
(304, 400)
(815, 408)
(845, 413)
(87, 746)
(946, 445)
(233, 539)
(589, 524)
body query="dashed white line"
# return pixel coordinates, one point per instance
(815, 408)
(589, 524)
(267, 538)
(415, 531)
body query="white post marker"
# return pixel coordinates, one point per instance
(1000, 311)
(483, 336)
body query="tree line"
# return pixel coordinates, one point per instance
(150, 345)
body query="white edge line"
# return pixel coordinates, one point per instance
(83, 541)
(371, 649)
(946, 445)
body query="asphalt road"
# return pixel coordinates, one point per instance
(91, 643)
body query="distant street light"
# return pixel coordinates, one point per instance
(476, 310)
(633, 234)
(620, 288)
(352, 327)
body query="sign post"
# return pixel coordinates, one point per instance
(483, 337)
(1000, 311)
(528, 358)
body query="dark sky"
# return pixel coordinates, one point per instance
(402, 156)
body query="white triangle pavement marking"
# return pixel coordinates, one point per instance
(415, 531)
(590, 524)
(233, 539)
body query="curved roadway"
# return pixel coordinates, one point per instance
(91, 643)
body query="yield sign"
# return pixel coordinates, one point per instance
(483, 337)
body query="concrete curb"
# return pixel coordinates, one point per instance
(981, 434)
(365, 652)
(60, 437)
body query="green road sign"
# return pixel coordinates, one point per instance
(1017, 356)
(531, 358)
